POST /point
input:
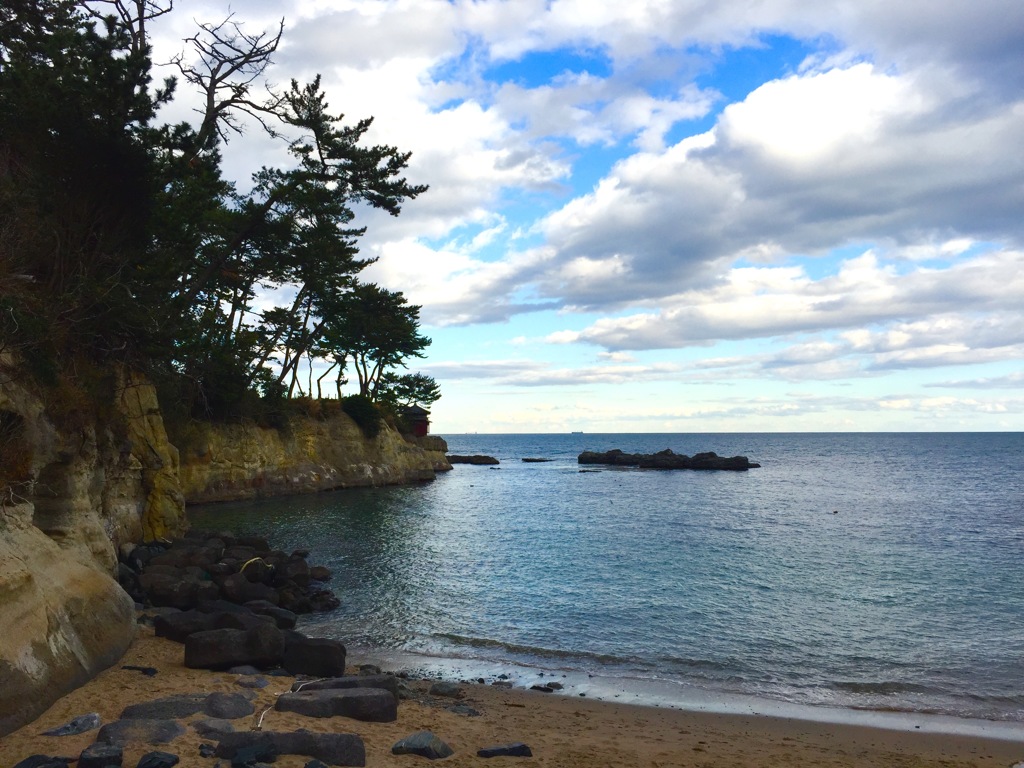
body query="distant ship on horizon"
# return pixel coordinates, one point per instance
(577, 432)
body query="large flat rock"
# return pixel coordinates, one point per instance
(228, 706)
(373, 705)
(123, 732)
(331, 748)
(387, 682)
(262, 647)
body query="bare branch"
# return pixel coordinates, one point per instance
(229, 62)
(133, 15)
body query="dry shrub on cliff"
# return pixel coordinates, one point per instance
(320, 408)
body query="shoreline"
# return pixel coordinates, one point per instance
(562, 730)
(662, 693)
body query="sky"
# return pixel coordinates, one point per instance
(686, 215)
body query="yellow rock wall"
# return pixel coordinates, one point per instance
(225, 462)
(64, 621)
(81, 493)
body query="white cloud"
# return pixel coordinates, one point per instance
(525, 373)
(453, 286)
(808, 118)
(761, 302)
(1009, 381)
(902, 130)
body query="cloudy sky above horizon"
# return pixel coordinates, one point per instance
(689, 216)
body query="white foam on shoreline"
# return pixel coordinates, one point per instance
(676, 695)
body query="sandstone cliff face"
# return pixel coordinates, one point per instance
(72, 497)
(226, 462)
(64, 621)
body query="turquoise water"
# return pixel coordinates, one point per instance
(877, 571)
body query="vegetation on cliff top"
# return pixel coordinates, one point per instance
(122, 241)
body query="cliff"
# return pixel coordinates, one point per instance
(82, 482)
(225, 462)
(74, 493)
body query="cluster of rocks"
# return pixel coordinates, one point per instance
(367, 698)
(203, 567)
(667, 459)
(233, 602)
(478, 459)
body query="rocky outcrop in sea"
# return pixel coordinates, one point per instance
(477, 459)
(667, 459)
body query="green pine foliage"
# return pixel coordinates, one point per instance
(122, 241)
(364, 412)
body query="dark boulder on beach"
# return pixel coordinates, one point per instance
(239, 589)
(180, 626)
(446, 689)
(212, 727)
(43, 761)
(165, 589)
(668, 459)
(283, 618)
(332, 748)
(262, 648)
(506, 750)
(158, 760)
(477, 459)
(316, 656)
(101, 755)
(425, 744)
(225, 706)
(124, 732)
(386, 682)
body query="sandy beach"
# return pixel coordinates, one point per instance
(561, 730)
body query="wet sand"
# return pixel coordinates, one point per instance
(562, 730)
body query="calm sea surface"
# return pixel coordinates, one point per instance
(875, 571)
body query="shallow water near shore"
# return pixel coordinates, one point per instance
(858, 572)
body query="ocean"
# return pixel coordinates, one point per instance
(859, 572)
